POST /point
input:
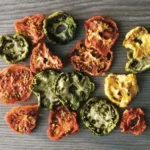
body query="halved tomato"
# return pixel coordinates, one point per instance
(14, 84)
(133, 121)
(22, 118)
(62, 122)
(90, 60)
(101, 33)
(43, 59)
(31, 27)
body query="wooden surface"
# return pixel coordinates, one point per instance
(127, 14)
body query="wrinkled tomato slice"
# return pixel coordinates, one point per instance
(14, 84)
(14, 48)
(133, 121)
(101, 33)
(59, 27)
(22, 118)
(62, 122)
(31, 27)
(99, 116)
(90, 60)
(42, 59)
(121, 88)
(73, 88)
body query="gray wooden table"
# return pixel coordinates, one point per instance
(127, 14)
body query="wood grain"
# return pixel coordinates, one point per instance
(127, 14)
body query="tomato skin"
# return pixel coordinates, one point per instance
(101, 33)
(42, 59)
(127, 118)
(22, 119)
(89, 60)
(31, 27)
(14, 84)
(62, 122)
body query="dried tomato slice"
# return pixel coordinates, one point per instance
(31, 27)
(121, 88)
(13, 48)
(14, 84)
(60, 28)
(133, 121)
(137, 41)
(73, 88)
(62, 122)
(43, 88)
(42, 59)
(22, 118)
(99, 116)
(101, 33)
(90, 60)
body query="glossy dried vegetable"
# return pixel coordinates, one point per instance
(59, 28)
(31, 27)
(121, 88)
(42, 59)
(89, 60)
(99, 116)
(22, 119)
(62, 123)
(137, 41)
(13, 48)
(43, 88)
(73, 88)
(101, 33)
(133, 121)
(14, 84)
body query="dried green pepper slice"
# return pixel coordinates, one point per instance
(44, 90)
(138, 42)
(59, 28)
(13, 48)
(73, 88)
(99, 116)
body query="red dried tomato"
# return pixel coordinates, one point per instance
(31, 27)
(62, 122)
(42, 59)
(22, 118)
(89, 60)
(101, 33)
(133, 121)
(14, 84)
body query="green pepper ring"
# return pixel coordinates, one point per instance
(73, 88)
(56, 20)
(12, 56)
(111, 118)
(40, 84)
